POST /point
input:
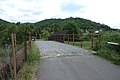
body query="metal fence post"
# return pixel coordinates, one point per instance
(63, 37)
(55, 37)
(73, 39)
(99, 39)
(81, 40)
(30, 39)
(92, 41)
(25, 44)
(14, 55)
(68, 38)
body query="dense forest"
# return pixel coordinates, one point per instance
(47, 27)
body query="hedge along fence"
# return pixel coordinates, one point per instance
(15, 59)
(110, 37)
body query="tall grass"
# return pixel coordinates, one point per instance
(28, 70)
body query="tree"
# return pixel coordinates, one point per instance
(72, 27)
(45, 34)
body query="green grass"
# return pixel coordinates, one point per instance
(85, 44)
(110, 55)
(28, 70)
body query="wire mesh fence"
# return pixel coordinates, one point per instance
(8, 58)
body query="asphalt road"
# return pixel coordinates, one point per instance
(65, 62)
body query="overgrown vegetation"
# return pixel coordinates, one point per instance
(108, 51)
(28, 70)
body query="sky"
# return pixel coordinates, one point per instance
(101, 11)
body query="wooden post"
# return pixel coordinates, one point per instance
(81, 40)
(73, 39)
(25, 45)
(14, 55)
(92, 41)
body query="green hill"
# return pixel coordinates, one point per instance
(3, 24)
(75, 25)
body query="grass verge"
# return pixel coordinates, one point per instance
(85, 44)
(110, 55)
(28, 70)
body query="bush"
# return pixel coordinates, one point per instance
(111, 37)
(108, 37)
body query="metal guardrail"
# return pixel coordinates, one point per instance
(112, 43)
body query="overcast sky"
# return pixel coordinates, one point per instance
(102, 11)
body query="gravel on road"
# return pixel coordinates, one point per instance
(53, 49)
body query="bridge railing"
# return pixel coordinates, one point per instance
(77, 39)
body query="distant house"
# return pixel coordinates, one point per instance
(58, 36)
(96, 32)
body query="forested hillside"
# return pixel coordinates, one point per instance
(74, 25)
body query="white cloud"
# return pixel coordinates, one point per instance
(102, 11)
